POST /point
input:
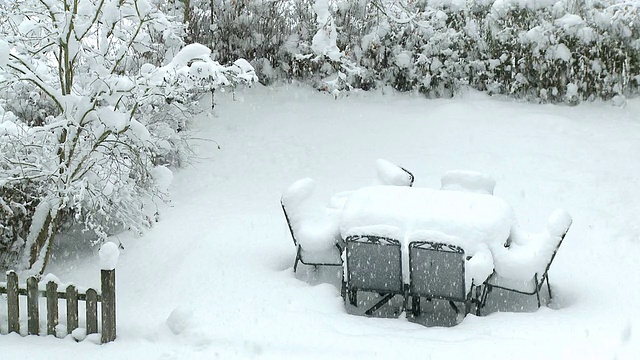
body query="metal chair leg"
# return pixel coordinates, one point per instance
(415, 305)
(537, 289)
(454, 306)
(379, 304)
(405, 300)
(485, 294)
(478, 299)
(295, 264)
(353, 297)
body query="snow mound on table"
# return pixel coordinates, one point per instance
(476, 217)
(387, 231)
(530, 254)
(477, 268)
(315, 228)
(389, 173)
(466, 180)
(338, 200)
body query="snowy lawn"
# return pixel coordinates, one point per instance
(222, 254)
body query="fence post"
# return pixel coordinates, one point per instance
(13, 303)
(33, 312)
(52, 307)
(108, 284)
(72, 308)
(108, 259)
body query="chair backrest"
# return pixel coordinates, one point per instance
(389, 173)
(374, 263)
(411, 177)
(556, 249)
(437, 270)
(286, 217)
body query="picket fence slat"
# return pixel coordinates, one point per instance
(33, 312)
(72, 308)
(13, 303)
(52, 307)
(92, 311)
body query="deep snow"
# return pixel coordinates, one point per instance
(220, 259)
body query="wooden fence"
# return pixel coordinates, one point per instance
(107, 299)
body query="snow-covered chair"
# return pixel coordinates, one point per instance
(442, 269)
(315, 232)
(465, 180)
(388, 173)
(373, 264)
(523, 267)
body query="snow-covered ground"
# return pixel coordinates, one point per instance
(221, 257)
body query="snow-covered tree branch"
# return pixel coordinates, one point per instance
(95, 156)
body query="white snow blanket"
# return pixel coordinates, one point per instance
(475, 217)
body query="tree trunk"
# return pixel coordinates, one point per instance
(186, 16)
(44, 241)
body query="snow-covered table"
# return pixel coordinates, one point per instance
(477, 218)
(477, 222)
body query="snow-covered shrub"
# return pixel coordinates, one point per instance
(547, 50)
(96, 156)
(564, 53)
(251, 29)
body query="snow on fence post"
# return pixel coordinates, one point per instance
(33, 315)
(13, 304)
(108, 260)
(52, 307)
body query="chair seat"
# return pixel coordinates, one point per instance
(318, 233)
(526, 256)
(332, 255)
(524, 286)
(523, 267)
